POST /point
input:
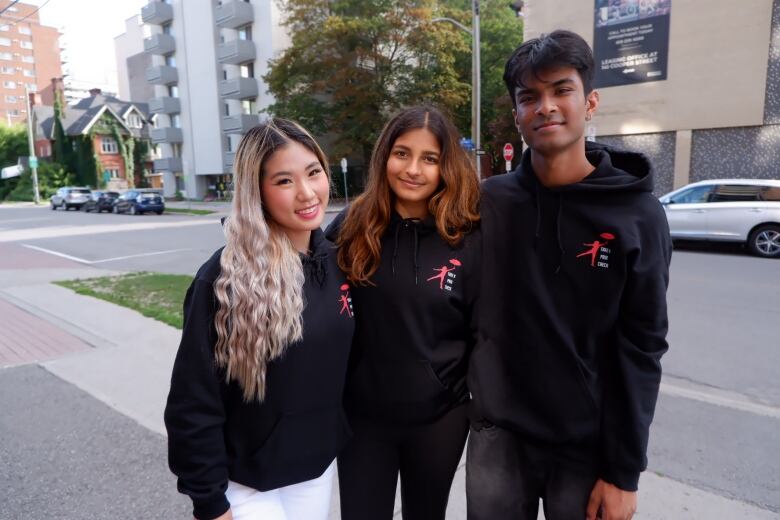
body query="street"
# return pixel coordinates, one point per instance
(716, 428)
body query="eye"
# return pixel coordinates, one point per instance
(315, 171)
(399, 153)
(564, 90)
(281, 182)
(431, 159)
(524, 99)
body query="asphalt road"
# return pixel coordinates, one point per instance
(717, 423)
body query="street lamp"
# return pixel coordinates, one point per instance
(475, 78)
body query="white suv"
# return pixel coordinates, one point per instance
(730, 210)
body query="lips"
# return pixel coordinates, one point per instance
(410, 184)
(309, 211)
(549, 124)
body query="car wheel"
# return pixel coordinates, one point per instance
(53, 207)
(765, 241)
(159, 212)
(133, 211)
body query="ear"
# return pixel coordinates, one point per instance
(592, 102)
(514, 118)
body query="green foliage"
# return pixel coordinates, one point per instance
(352, 63)
(51, 177)
(154, 295)
(140, 153)
(13, 144)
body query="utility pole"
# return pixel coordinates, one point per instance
(31, 142)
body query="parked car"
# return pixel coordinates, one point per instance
(728, 210)
(138, 202)
(100, 201)
(69, 197)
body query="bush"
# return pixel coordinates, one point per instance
(51, 177)
(13, 144)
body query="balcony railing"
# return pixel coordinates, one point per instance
(240, 123)
(160, 44)
(165, 105)
(162, 75)
(234, 14)
(166, 135)
(238, 88)
(236, 51)
(168, 164)
(157, 13)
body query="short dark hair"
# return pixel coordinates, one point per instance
(557, 49)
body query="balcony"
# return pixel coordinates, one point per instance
(169, 164)
(165, 105)
(227, 160)
(162, 75)
(239, 124)
(235, 52)
(160, 44)
(233, 14)
(238, 88)
(157, 13)
(166, 135)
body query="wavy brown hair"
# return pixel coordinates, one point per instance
(259, 290)
(454, 205)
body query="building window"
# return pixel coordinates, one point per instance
(9, 84)
(25, 45)
(5, 42)
(13, 112)
(167, 29)
(114, 172)
(248, 106)
(176, 120)
(28, 59)
(173, 91)
(134, 121)
(176, 150)
(170, 60)
(32, 87)
(6, 56)
(224, 74)
(7, 70)
(227, 109)
(10, 99)
(4, 28)
(245, 33)
(248, 70)
(109, 145)
(23, 29)
(28, 73)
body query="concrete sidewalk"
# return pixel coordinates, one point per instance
(124, 360)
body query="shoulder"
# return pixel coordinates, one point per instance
(210, 270)
(334, 228)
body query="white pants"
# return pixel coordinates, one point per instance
(308, 500)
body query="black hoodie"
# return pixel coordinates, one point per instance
(414, 331)
(294, 435)
(573, 320)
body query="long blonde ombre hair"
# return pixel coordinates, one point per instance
(260, 288)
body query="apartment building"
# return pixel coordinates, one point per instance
(694, 84)
(208, 59)
(29, 58)
(132, 61)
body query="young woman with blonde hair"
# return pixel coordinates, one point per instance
(254, 415)
(408, 244)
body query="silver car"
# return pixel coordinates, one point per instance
(728, 210)
(70, 197)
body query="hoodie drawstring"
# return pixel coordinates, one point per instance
(558, 218)
(395, 248)
(415, 254)
(538, 215)
(415, 251)
(558, 233)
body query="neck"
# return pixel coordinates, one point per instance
(567, 167)
(412, 209)
(300, 240)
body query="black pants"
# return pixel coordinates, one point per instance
(506, 476)
(426, 456)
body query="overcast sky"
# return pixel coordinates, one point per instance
(88, 30)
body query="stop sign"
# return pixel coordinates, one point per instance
(509, 152)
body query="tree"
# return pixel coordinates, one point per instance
(352, 63)
(51, 177)
(13, 144)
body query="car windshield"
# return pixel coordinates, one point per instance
(85, 191)
(692, 195)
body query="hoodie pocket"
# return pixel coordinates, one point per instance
(397, 382)
(300, 447)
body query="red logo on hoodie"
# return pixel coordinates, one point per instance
(446, 276)
(597, 250)
(345, 300)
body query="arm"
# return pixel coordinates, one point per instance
(633, 375)
(194, 414)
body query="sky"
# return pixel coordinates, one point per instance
(88, 30)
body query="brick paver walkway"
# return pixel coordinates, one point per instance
(25, 338)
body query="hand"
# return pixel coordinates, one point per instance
(227, 515)
(608, 502)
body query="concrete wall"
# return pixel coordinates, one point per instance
(659, 148)
(716, 74)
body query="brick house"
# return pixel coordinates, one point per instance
(103, 118)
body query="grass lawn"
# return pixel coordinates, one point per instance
(189, 211)
(155, 295)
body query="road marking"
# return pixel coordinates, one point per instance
(70, 231)
(91, 262)
(733, 401)
(26, 219)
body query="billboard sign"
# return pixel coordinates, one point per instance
(630, 41)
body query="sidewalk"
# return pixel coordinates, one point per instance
(223, 207)
(124, 360)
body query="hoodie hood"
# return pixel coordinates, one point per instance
(418, 228)
(616, 170)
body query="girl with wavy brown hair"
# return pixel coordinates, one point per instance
(254, 415)
(409, 244)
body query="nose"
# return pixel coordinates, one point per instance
(545, 106)
(414, 166)
(305, 191)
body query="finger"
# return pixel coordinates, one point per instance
(593, 507)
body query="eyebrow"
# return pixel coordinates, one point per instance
(406, 148)
(285, 172)
(563, 81)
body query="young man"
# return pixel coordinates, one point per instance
(573, 319)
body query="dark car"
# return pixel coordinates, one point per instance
(69, 197)
(100, 201)
(138, 202)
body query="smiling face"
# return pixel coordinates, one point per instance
(413, 171)
(295, 191)
(551, 110)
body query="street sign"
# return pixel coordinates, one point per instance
(33, 161)
(467, 144)
(509, 151)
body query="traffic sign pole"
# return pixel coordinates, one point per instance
(344, 173)
(33, 160)
(509, 152)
